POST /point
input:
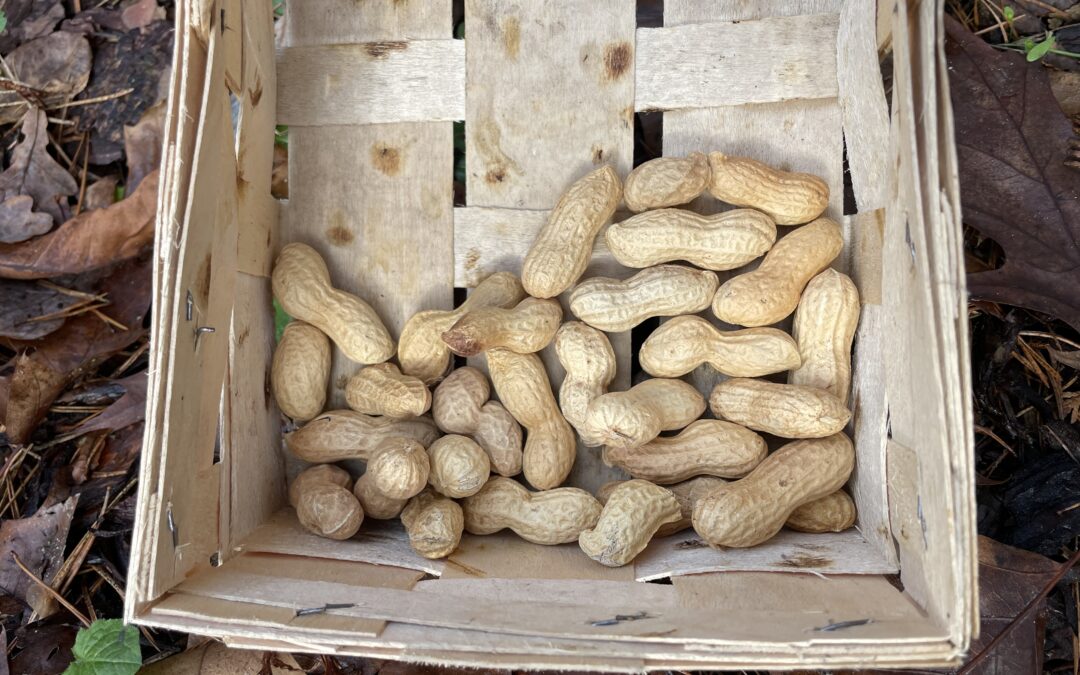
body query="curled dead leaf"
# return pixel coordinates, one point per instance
(18, 221)
(57, 65)
(34, 172)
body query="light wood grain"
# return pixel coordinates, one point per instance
(329, 22)
(677, 12)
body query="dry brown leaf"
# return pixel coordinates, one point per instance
(142, 145)
(22, 301)
(34, 172)
(100, 194)
(39, 542)
(88, 241)
(1070, 359)
(125, 411)
(214, 658)
(141, 13)
(18, 221)
(28, 19)
(58, 65)
(1066, 87)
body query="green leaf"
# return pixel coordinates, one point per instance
(3, 21)
(107, 647)
(1029, 44)
(1042, 49)
(281, 319)
(1010, 14)
(281, 135)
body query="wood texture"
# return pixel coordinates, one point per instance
(703, 65)
(419, 81)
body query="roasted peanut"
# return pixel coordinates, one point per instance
(682, 344)
(459, 467)
(665, 290)
(722, 241)
(422, 352)
(347, 434)
(527, 328)
(824, 328)
(589, 361)
(300, 371)
(549, 517)
(323, 502)
(785, 410)
(562, 249)
(399, 468)
(790, 198)
(460, 406)
(630, 419)
(711, 447)
(376, 505)
(686, 493)
(433, 523)
(834, 512)
(666, 181)
(381, 389)
(523, 385)
(751, 510)
(771, 292)
(301, 283)
(634, 511)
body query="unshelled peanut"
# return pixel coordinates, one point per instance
(589, 361)
(301, 283)
(722, 241)
(634, 511)
(665, 290)
(548, 517)
(300, 371)
(460, 406)
(824, 329)
(789, 197)
(347, 434)
(771, 292)
(785, 410)
(682, 344)
(399, 468)
(630, 419)
(459, 467)
(324, 505)
(561, 251)
(526, 328)
(835, 512)
(421, 351)
(666, 181)
(710, 447)
(524, 388)
(434, 524)
(381, 389)
(751, 510)
(376, 505)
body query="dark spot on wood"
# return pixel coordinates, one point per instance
(471, 258)
(691, 544)
(256, 93)
(267, 394)
(597, 154)
(386, 159)
(804, 560)
(495, 176)
(339, 235)
(511, 36)
(202, 280)
(341, 381)
(617, 57)
(379, 50)
(242, 336)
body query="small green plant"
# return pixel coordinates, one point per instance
(281, 135)
(107, 647)
(1037, 50)
(281, 319)
(1010, 16)
(3, 21)
(279, 8)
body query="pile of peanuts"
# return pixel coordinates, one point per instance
(442, 454)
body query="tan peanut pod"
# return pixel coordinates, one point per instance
(686, 493)
(301, 283)
(381, 389)
(666, 181)
(421, 351)
(528, 327)
(376, 505)
(324, 505)
(665, 290)
(771, 292)
(785, 410)
(824, 329)
(524, 388)
(459, 467)
(548, 517)
(434, 524)
(460, 406)
(589, 361)
(712, 447)
(751, 510)
(682, 344)
(399, 468)
(300, 371)
(634, 511)
(632, 418)
(561, 251)
(722, 241)
(789, 197)
(347, 434)
(834, 512)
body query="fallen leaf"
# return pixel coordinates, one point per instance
(34, 172)
(1043, 496)
(1013, 143)
(18, 222)
(21, 301)
(90, 240)
(214, 658)
(28, 19)
(1070, 359)
(127, 410)
(46, 648)
(39, 542)
(141, 13)
(107, 647)
(100, 194)
(142, 145)
(76, 348)
(1066, 88)
(57, 65)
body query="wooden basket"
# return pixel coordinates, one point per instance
(548, 90)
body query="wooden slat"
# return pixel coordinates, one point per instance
(677, 12)
(328, 22)
(714, 64)
(562, 591)
(421, 81)
(504, 555)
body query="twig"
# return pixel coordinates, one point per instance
(82, 179)
(90, 101)
(1049, 336)
(998, 18)
(48, 589)
(1000, 24)
(108, 319)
